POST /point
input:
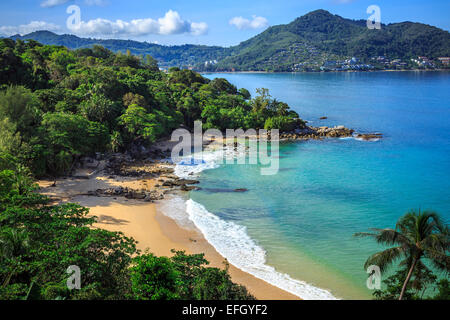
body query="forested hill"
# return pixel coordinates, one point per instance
(167, 56)
(57, 105)
(306, 44)
(321, 36)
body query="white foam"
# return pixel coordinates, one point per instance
(233, 242)
(204, 161)
(174, 207)
(367, 140)
(208, 162)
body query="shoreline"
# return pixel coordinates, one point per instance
(152, 229)
(308, 72)
(128, 196)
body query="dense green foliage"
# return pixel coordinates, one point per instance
(39, 241)
(57, 105)
(420, 240)
(182, 277)
(423, 285)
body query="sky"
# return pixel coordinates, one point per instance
(208, 22)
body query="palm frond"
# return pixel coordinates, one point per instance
(385, 258)
(386, 237)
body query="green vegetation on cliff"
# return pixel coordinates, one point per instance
(57, 105)
(320, 36)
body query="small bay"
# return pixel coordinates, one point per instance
(305, 216)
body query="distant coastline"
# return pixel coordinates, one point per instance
(301, 72)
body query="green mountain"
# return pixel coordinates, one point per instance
(320, 36)
(307, 43)
(167, 56)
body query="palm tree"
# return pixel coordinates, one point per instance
(417, 236)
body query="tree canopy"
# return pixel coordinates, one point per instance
(57, 105)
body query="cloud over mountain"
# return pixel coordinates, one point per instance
(243, 23)
(28, 28)
(170, 24)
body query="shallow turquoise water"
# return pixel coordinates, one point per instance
(305, 216)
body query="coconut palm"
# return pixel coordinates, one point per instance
(418, 236)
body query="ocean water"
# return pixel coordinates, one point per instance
(295, 229)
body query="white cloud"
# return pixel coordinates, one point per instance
(256, 23)
(28, 28)
(52, 3)
(199, 28)
(99, 3)
(170, 24)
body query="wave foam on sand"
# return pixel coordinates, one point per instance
(233, 243)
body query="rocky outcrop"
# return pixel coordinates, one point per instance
(189, 188)
(179, 182)
(128, 193)
(369, 136)
(124, 165)
(335, 132)
(319, 133)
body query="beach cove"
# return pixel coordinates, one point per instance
(302, 220)
(153, 230)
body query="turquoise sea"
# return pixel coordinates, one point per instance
(300, 222)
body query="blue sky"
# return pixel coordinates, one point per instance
(207, 22)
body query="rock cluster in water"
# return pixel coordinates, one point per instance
(326, 132)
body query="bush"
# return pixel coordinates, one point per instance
(283, 123)
(67, 137)
(154, 278)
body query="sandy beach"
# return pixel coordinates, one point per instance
(148, 226)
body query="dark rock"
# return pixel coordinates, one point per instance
(135, 195)
(81, 177)
(179, 182)
(189, 188)
(369, 136)
(241, 190)
(187, 181)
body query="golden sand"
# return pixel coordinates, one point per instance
(150, 228)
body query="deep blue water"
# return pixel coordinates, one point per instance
(305, 216)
